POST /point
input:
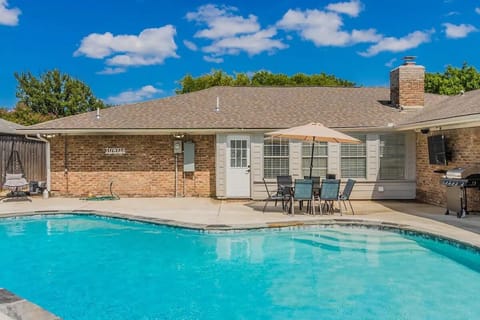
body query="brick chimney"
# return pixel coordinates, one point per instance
(407, 85)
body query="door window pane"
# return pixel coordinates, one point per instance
(238, 153)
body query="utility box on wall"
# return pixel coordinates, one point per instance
(188, 157)
(177, 146)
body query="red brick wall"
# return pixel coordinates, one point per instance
(464, 144)
(407, 86)
(146, 170)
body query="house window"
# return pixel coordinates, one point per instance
(275, 157)
(320, 159)
(354, 158)
(392, 156)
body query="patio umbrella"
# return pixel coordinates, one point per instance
(314, 132)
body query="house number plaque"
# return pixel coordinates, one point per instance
(114, 151)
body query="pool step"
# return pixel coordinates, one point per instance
(359, 244)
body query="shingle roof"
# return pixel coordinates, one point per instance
(451, 107)
(9, 127)
(246, 108)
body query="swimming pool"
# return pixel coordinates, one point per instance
(90, 267)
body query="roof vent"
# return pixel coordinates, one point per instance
(217, 107)
(98, 113)
(409, 60)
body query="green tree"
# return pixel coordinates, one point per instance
(56, 94)
(215, 78)
(241, 79)
(259, 78)
(453, 81)
(23, 115)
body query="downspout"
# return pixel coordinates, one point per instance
(47, 151)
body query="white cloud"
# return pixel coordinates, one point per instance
(452, 13)
(221, 22)
(231, 33)
(392, 44)
(477, 10)
(129, 96)
(190, 45)
(324, 28)
(110, 70)
(390, 62)
(458, 31)
(152, 46)
(213, 59)
(351, 8)
(251, 43)
(8, 17)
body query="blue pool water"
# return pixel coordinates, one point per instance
(88, 267)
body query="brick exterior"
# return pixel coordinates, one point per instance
(463, 144)
(407, 86)
(146, 170)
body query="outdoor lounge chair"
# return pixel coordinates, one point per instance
(345, 196)
(15, 182)
(14, 179)
(274, 197)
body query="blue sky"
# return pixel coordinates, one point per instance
(134, 50)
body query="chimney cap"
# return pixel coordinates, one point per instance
(409, 60)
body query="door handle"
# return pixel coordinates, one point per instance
(248, 169)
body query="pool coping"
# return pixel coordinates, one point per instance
(13, 307)
(334, 221)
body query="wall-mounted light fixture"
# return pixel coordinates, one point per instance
(425, 130)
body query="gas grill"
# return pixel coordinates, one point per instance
(458, 180)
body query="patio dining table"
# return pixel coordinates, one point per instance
(289, 192)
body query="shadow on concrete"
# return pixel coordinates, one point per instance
(471, 222)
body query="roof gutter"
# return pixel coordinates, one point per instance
(472, 120)
(136, 131)
(38, 137)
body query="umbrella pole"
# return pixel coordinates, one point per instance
(311, 157)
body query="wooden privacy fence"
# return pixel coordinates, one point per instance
(32, 155)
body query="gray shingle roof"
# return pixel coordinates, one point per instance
(450, 107)
(247, 108)
(8, 127)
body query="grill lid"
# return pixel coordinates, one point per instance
(462, 172)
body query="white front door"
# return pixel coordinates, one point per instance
(238, 166)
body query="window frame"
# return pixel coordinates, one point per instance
(363, 138)
(398, 151)
(307, 156)
(283, 155)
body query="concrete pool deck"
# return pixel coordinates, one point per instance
(206, 213)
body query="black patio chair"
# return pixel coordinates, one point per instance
(274, 197)
(331, 176)
(345, 196)
(284, 187)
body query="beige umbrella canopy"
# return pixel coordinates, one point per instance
(314, 132)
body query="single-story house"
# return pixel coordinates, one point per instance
(226, 153)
